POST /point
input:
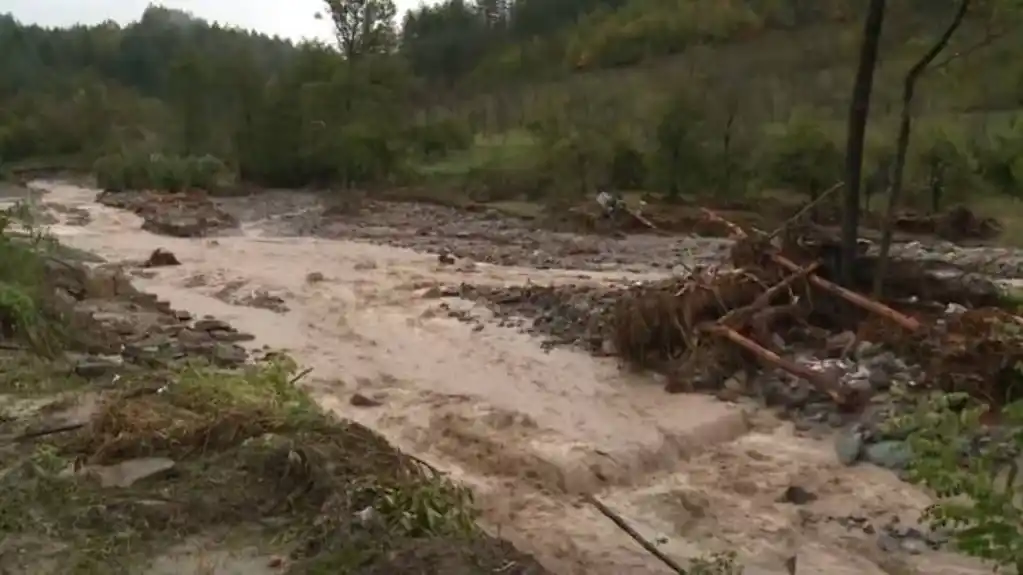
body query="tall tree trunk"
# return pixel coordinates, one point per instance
(902, 143)
(859, 109)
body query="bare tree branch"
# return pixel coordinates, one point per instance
(902, 143)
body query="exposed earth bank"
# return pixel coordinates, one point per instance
(394, 346)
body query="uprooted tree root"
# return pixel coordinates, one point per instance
(701, 329)
(243, 451)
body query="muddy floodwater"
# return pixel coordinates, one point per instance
(530, 430)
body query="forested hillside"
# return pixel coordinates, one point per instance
(504, 98)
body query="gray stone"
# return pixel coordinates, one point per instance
(849, 446)
(98, 366)
(895, 455)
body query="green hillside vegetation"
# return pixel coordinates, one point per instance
(499, 99)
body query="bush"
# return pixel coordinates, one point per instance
(436, 139)
(23, 314)
(974, 475)
(944, 168)
(999, 158)
(628, 169)
(128, 171)
(680, 162)
(801, 156)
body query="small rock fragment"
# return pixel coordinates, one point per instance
(797, 495)
(161, 258)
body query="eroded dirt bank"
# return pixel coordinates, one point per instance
(528, 430)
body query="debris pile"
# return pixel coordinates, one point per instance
(188, 214)
(956, 224)
(705, 328)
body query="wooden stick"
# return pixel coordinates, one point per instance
(804, 209)
(621, 524)
(852, 297)
(825, 384)
(736, 230)
(909, 323)
(766, 297)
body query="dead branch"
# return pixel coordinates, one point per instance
(989, 38)
(819, 380)
(621, 524)
(832, 288)
(852, 297)
(902, 141)
(740, 315)
(763, 320)
(802, 212)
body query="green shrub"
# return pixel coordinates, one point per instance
(801, 156)
(436, 139)
(999, 158)
(136, 171)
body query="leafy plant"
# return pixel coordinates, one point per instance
(975, 475)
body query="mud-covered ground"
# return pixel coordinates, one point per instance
(426, 349)
(490, 235)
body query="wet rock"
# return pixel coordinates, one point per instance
(888, 544)
(359, 400)
(92, 367)
(895, 455)
(230, 336)
(211, 324)
(228, 355)
(161, 258)
(849, 446)
(796, 495)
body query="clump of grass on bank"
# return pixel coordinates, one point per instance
(25, 317)
(250, 450)
(171, 173)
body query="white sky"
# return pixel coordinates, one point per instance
(289, 18)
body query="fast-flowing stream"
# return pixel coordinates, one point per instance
(528, 430)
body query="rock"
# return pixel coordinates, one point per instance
(161, 258)
(98, 366)
(314, 277)
(210, 324)
(895, 455)
(359, 400)
(130, 472)
(849, 446)
(230, 336)
(446, 259)
(796, 495)
(228, 355)
(888, 543)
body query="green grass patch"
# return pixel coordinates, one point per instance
(250, 452)
(513, 150)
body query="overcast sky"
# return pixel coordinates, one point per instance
(289, 18)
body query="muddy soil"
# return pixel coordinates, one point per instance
(488, 235)
(530, 430)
